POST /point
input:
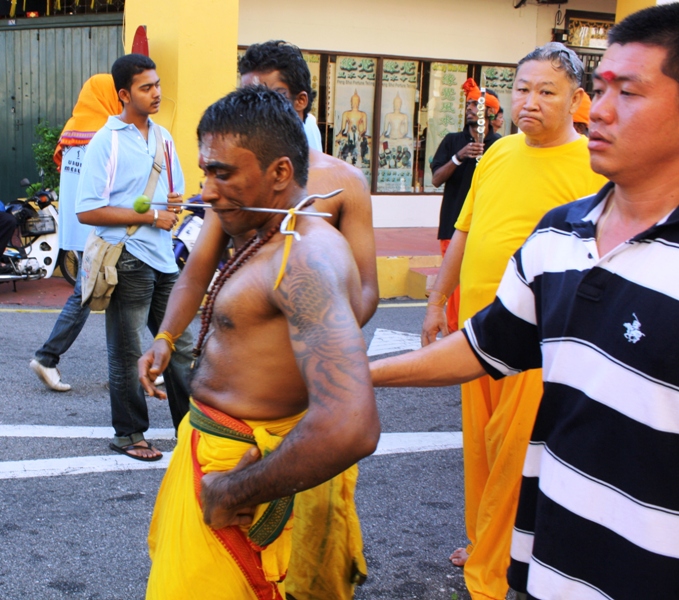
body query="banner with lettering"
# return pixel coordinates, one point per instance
(445, 111)
(501, 80)
(396, 151)
(354, 102)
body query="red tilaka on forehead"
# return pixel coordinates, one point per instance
(607, 76)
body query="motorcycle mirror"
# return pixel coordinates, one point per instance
(24, 182)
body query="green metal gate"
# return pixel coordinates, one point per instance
(43, 64)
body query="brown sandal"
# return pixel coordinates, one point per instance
(136, 446)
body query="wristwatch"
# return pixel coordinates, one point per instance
(155, 217)
(456, 160)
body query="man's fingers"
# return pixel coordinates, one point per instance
(243, 520)
(150, 365)
(249, 458)
(427, 337)
(219, 521)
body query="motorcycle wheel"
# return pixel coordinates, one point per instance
(69, 265)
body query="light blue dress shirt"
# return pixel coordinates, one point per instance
(115, 172)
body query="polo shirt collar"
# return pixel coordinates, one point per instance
(114, 123)
(579, 215)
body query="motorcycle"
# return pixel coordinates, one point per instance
(33, 252)
(187, 234)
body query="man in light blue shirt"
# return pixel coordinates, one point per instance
(114, 173)
(313, 134)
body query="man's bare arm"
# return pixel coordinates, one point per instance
(113, 216)
(185, 299)
(356, 225)
(341, 425)
(443, 173)
(447, 280)
(449, 361)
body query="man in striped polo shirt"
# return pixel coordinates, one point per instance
(592, 299)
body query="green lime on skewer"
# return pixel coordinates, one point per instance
(142, 204)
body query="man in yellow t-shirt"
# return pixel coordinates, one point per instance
(519, 179)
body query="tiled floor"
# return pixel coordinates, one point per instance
(414, 241)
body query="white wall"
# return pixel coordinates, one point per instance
(490, 31)
(406, 211)
(476, 30)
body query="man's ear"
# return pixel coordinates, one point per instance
(576, 100)
(300, 102)
(282, 172)
(124, 96)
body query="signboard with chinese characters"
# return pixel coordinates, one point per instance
(501, 80)
(354, 101)
(399, 89)
(588, 29)
(313, 61)
(445, 111)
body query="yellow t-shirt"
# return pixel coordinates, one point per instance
(514, 185)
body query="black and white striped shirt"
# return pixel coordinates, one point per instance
(598, 513)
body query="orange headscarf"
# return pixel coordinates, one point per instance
(582, 114)
(474, 93)
(97, 101)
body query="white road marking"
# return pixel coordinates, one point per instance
(385, 341)
(55, 431)
(403, 443)
(41, 310)
(403, 305)
(51, 467)
(390, 443)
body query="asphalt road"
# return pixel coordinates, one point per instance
(84, 536)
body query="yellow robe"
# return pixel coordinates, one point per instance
(193, 561)
(513, 186)
(327, 546)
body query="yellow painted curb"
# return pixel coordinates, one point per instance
(395, 278)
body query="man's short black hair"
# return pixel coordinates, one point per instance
(654, 26)
(126, 67)
(263, 122)
(287, 59)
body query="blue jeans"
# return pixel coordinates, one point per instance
(69, 324)
(139, 301)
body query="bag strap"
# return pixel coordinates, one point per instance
(158, 161)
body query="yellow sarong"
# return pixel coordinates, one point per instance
(190, 560)
(327, 546)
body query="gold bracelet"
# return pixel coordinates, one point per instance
(168, 337)
(441, 302)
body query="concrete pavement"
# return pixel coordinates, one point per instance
(83, 535)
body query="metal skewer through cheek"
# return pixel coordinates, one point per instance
(281, 211)
(300, 204)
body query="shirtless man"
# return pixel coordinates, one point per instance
(297, 347)
(281, 67)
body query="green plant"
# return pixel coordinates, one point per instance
(43, 150)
